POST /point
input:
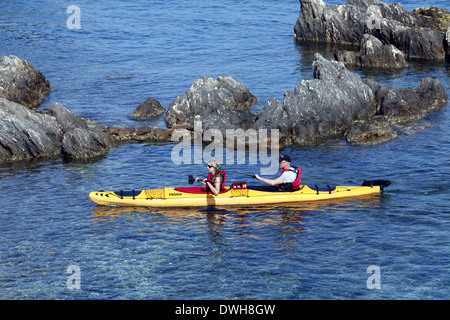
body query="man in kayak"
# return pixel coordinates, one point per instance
(215, 181)
(290, 177)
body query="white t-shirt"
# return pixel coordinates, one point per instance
(288, 176)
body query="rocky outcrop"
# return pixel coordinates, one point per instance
(320, 108)
(392, 24)
(148, 109)
(372, 53)
(26, 134)
(338, 103)
(21, 83)
(221, 103)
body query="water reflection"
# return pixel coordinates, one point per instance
(225, 233)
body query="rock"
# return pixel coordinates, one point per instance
(402, 105)
(370, 133)
(66, 119)
(86, 143)
(372, 54)
(338, 103)
(437, 18)
(147, 134)
(323, 107)
(347, 23)
(148, 109)
(221, 103)
(21, 83)
(26, 134)
(273, 116)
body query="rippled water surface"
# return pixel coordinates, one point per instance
(126, 52)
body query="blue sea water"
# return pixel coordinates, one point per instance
(126, 52)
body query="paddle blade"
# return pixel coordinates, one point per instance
(191, 179)
(382, 183)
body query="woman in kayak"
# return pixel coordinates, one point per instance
(290, 177)
(216, 178)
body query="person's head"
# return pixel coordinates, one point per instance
(285, 161)
(214, 167)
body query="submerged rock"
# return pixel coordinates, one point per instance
(147, 134)
(392, 24)
(221, 103)
(21, 83)
(370, 133)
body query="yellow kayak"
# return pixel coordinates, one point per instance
(236, 194)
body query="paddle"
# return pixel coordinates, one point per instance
(250, 175)
(382, 183)
(191, 180)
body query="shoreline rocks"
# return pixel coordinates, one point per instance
(392, 24)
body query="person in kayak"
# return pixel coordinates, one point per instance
(290, 177)
(215, 182)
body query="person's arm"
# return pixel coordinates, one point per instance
(215, 189)
(272, 182)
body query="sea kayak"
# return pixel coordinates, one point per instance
(236, 194)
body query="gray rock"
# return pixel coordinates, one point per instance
(148, 109)
(21, 83)
(66, 119)
(372, 53)
(391, 23)
(26, 134)
(402, 105)
(221, 103)
(86, 143)
(325, 106)
(338, 103)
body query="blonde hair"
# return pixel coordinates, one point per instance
(216, 165)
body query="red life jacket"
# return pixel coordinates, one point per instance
(295, 185)
(223, 175)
